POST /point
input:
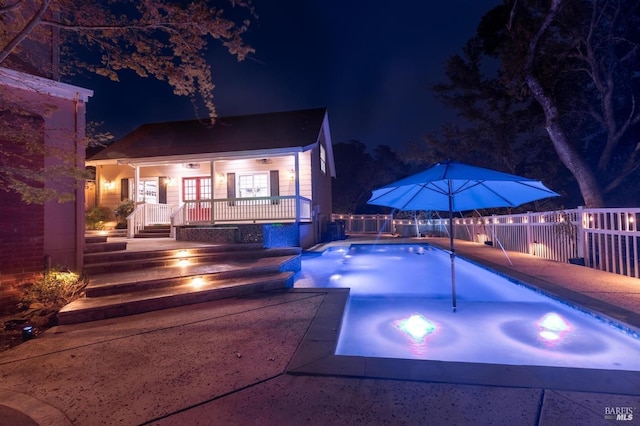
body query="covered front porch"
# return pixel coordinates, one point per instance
(238, 191)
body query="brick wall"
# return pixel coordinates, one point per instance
(21, 224)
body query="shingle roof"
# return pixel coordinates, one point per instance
(289, 129)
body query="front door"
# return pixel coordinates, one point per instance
(196, 194)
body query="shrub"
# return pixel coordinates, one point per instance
(122, 211)
(96, 217)
(53, 290)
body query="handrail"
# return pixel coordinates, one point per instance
(135, 221)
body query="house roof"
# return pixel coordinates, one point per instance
(257, 132)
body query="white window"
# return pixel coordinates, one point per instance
(256, 185)
(323, 159)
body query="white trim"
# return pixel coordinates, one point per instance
(193, 158)
(33, 83)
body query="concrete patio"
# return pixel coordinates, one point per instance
(266, 359)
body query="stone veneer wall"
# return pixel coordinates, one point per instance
(227, 234)
(270, 235)
(281, 235)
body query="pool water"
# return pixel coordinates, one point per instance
(400, 307)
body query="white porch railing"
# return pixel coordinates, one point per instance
(148, 214)
(244, 210)
(605, 239)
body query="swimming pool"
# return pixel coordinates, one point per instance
(400, 307)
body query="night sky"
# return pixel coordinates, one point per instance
(371, 66)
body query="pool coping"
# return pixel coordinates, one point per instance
(316, 356)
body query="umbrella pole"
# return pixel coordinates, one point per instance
(452, 254)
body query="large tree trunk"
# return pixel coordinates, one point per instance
(587, 182)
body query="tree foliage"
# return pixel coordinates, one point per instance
(164, 39)
(358, 173)
(574, 62)
(497, 130)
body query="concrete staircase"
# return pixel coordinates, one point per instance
(131, 282)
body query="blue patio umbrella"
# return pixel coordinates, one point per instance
(456, 187)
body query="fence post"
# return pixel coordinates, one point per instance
(580, 231)
(493, 236)
(529, 233)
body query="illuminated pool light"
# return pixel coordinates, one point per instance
(335, 277)
(416, 326)
(554, 322)
(553, 327)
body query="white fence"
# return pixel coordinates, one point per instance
(605, 239)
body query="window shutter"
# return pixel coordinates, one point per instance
(124, 189)
(274, 179)
(162, 190)
(231, 187)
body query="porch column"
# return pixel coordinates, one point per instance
(297, 185)
(136, 183)
(212, 172)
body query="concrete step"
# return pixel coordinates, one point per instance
(151, 253)
(129, 261)
(154, 231)
(203, 290)
(94, 239)
(153, 235)
(105, 247)
(154, 278)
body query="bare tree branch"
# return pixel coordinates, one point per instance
(24, 33)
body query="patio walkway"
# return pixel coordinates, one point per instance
(241, 360)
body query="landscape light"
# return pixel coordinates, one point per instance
(27, 333)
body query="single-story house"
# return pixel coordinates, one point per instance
(268, 173)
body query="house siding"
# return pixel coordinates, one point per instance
(322, 201)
